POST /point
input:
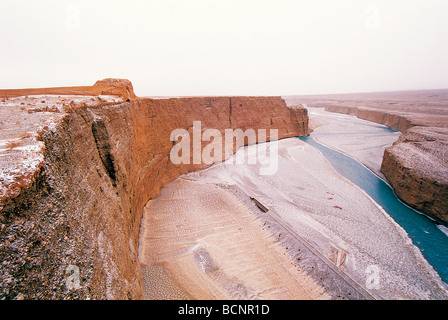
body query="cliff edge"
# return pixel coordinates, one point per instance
(416, 165)
(77, 166)
(117, 87)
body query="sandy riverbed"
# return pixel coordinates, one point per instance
(342, 132)
(209, 244)
(203, 238)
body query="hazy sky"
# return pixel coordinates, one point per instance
(226, 47)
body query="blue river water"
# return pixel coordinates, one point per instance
(423, 231)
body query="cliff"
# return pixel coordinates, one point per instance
(393, 120)
(417, 168)
(91, 164)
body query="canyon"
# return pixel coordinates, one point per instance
(78, 164)
(416, 165)
(214, 233)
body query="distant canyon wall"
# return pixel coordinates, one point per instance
(101, 165)
(416, 165)
(394, 121)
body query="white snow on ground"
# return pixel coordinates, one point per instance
(335, 216)
(21, 120)
(443, 229)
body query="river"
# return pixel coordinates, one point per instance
(425, 233)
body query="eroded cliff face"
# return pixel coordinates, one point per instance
(417, 167)
(117, 87)
(392, 120)
(80, 211)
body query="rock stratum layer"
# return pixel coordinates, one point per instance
(70, 217)
(416, 165)
(117, 87)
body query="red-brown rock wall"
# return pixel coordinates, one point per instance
(417, 168)
(102, 164)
